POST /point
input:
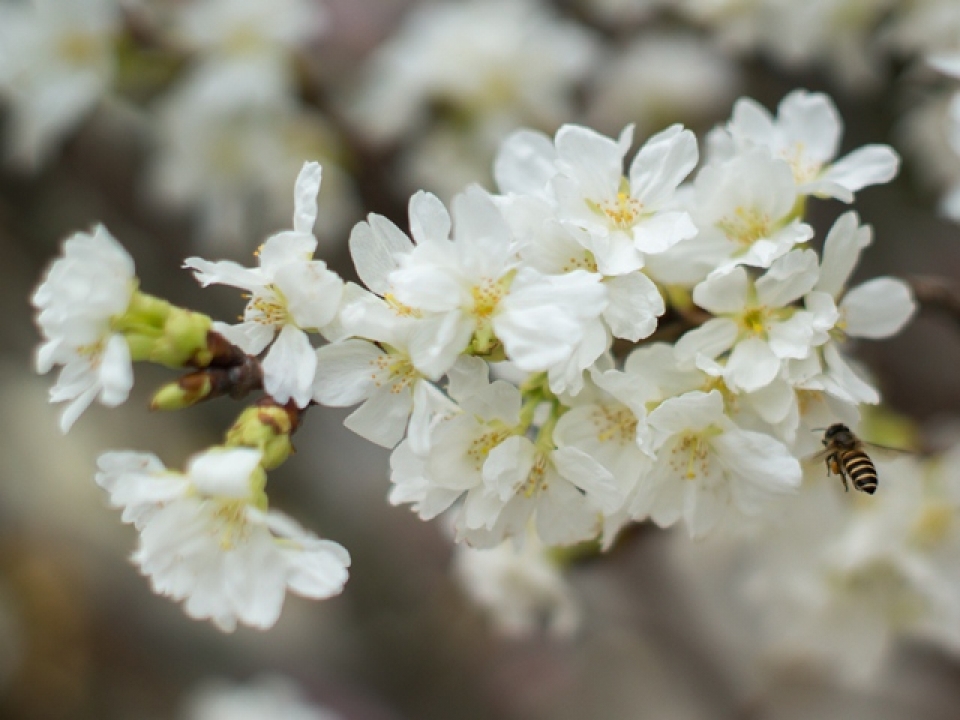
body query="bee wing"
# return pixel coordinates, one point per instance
(818, 456)
(883, 452)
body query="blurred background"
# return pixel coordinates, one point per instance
(181, 125)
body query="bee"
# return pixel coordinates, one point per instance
(846, 456)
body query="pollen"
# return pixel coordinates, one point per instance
(537, 478)
(754, 321)
(615, 425)
(230, 523)
(395, 369)
(268, 310)
(690, 457)
(804, 171)
(623, 212)
(486, 297)
(481, 446)
(399, 308)
(745, 226)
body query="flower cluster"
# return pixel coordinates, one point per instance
(490, 348)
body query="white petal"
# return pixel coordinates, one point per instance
(289, 368)
(751, 365)
(525, 163)
(116, 372)
(346, 372)
(429, 219)
(710, 339)
(283, 248)
(723, 292)
(376, 247)
(788, 278)
(305, 197)
(224, 473)
(693, 410)
(312, 292)
(662, 164)
(841, 251)
(590, 476)
(868, 165)
(878, 308)
(383, 417)
(662, 231)
(635, 305)
(225, 272)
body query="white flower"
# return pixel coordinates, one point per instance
(206, 539)
(744, 211)
(86, 288)
(518, 586)
(383, 379)
(708, 470)
(548, 246)
(875, 309)
(470, 290)
(619, 219)
(273, 697)
(756, 322)
(806, 133)
(290, 293)
(56, 61)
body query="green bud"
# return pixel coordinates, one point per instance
(159, 332)
(182, 393)
(267, 427)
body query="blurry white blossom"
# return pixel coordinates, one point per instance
(518, 585)
(839, 582)
(266, 697)
(82, 292)
(660, 79)
(207, 539)
(231, 133)
(484, 68)
(56, 62)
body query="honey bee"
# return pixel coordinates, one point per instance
(846, 456)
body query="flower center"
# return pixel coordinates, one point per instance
(399, 308)
(394, 369)
(269, 308)
(690, 457)
(754, 320)
(230, 522)
(482, 445)
(622, 212)
(804, 170)
(615, 424)
(486, 296)
(745, 226)
(537, 477)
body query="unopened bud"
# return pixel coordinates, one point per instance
(182, 393)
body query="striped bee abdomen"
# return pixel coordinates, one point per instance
(860, 469)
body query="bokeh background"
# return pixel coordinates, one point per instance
(192, 121)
